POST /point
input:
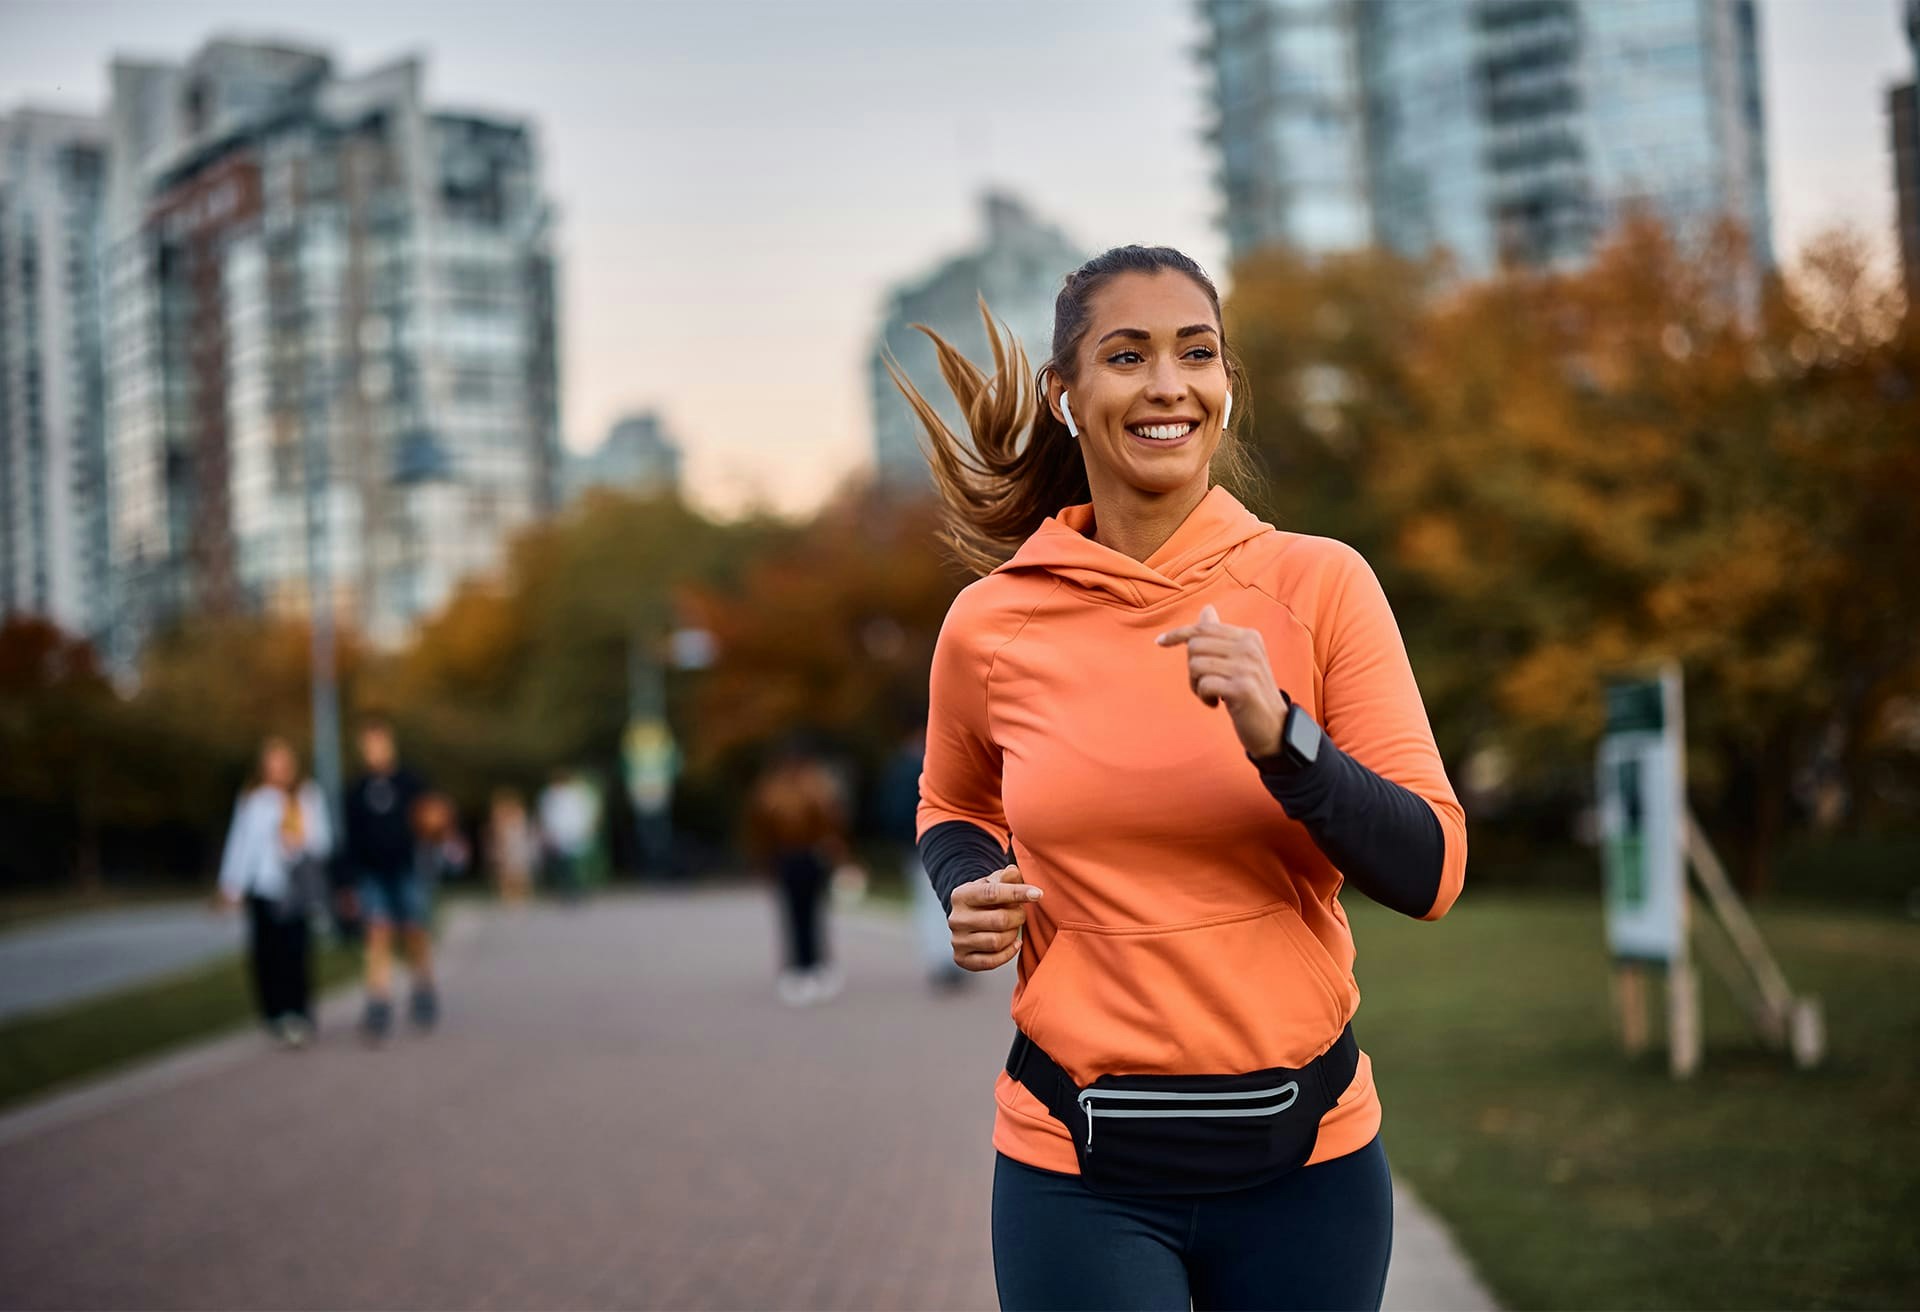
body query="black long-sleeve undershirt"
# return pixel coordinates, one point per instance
(955, 852)
(1382, 837)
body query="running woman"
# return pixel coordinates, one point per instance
(1163, 737)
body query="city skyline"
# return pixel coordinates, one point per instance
(862, 134)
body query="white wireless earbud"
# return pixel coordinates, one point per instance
(1066, 412)
(1226, 413)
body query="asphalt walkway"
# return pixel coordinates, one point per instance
(615, 1112)
(43, 966)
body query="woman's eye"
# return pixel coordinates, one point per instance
(1124, 357)
(1200, 353)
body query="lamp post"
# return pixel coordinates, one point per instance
(326, 685)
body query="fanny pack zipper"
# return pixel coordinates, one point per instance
(1290, 1090)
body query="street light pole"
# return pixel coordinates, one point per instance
(326, 689)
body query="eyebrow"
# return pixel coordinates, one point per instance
(1142, 335)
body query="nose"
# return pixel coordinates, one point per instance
(1165, 385)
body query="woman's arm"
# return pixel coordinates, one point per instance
(1385, 840)
(961, 824)
(1377, 800)
(236, 858)
(1374, 796)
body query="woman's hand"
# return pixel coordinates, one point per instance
(987, 917)
(1227, 664)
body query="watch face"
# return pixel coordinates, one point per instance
(1303, 737)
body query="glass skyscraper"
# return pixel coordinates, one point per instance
(311, 273)
(53, 510)
(1501, 130)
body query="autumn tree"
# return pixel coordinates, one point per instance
(831, 633)
(1564, 477)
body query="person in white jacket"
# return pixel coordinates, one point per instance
(274, 865)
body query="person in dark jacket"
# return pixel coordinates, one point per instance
(394, 896)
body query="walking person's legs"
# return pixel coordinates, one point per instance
(416, 935)
(934, 939)
(825, 976)
(787, 884)
(797, 945)
(811, 894)
(260, 962)
(299, 959)
(376, 907)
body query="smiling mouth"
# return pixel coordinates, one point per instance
(1163, 432)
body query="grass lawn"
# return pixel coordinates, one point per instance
(48, 1049)
(1575, 1179)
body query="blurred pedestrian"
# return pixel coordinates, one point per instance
(394, 897)
(569, 823)
(1130, 701)
(274, 863)
(898, 804)
(796, 828)
(513, 847)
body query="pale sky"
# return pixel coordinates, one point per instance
(740, 181)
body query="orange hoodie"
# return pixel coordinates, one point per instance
(1189, 927)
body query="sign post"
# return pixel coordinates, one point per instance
(1648, 840)
(1642, 794)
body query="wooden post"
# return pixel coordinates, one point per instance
(1630, 999)
(1683, 1018)
(1808, 1033)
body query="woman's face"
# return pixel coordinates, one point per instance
(278, 767)
(1150, 385)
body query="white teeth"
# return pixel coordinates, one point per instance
(1164, 432)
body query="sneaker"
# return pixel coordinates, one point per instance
(376, 1022)
(795, 989)
(288, 1032)
(423, 1008)
(827, 983)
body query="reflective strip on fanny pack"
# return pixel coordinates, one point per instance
(1291, 1089)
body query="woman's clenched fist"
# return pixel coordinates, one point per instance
(987, 917)
(1228, 666)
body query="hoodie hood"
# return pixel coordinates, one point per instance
(1061, 546)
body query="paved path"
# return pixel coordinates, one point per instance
(82, 956)
(615, 1112)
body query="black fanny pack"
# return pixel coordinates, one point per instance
(1154, 1135)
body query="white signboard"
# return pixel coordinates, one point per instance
(1642, 796)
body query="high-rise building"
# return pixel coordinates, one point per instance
(311, 272)
(1018, 269)
(636, 456)
(1501, 130)
(1903, 125)
(53, 511)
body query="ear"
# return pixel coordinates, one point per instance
(1055, 389)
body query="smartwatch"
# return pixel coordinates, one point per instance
(1300, 741)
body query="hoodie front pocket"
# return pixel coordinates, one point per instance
(1233, 993)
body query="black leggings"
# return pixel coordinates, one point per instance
(1317, 1238)
(803, 887)
(278, 957)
